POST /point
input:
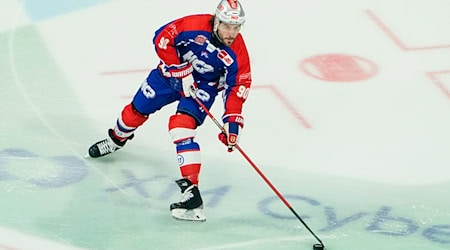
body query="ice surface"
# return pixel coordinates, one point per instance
(365, 163)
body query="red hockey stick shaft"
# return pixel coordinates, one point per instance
(261, 174)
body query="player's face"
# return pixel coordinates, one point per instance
(228, 32)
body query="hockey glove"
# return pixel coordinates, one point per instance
(232, 125)
(180, 78)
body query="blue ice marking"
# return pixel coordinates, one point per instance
(264, 205)
(9, 154)
(73, 170)
(135, 183)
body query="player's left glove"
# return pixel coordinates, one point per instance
(180, 78)
(232, 125)
(186, 85)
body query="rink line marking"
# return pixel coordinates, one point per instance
(273, 89)
(392, 36)
(20, 85)
(439, 83)
(286, 103)
(120, 72)
(397, 40)
(386, 30)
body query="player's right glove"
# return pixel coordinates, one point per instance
(180, 78)
(232, 125)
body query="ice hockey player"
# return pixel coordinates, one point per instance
(201, 56)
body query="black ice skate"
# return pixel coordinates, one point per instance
(107, 146)
(190, 207)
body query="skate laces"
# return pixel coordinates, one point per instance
(107, 146)
(187, 195)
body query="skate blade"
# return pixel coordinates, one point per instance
(188, 215)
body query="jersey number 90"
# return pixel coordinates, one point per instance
(243, 92)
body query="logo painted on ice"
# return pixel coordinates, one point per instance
(67, 170)
(383, 220)
(339, 68)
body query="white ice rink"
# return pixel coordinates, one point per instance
(349, 118)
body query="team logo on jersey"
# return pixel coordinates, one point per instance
(204, 54)
(225, 57)
(200, 39)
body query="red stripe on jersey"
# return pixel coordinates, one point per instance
(239, 92)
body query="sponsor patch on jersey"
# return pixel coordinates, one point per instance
(225, 57)
(200, 39)
(245, 77)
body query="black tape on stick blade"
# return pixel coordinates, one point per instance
(318, 247)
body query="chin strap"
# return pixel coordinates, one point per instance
(216, 41)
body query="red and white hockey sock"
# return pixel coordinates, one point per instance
(128, 121)
(188, 154)
(182, 129)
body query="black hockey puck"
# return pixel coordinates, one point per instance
(318, 247)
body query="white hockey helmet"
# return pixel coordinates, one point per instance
(229, 11)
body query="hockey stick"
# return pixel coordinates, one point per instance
(261, 174)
